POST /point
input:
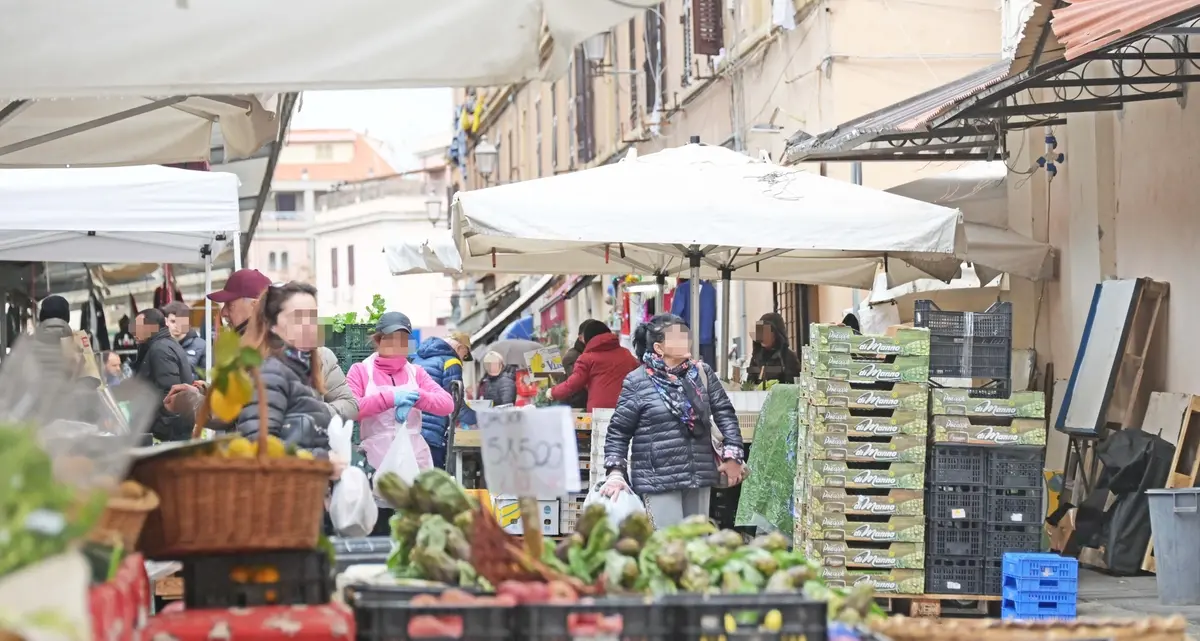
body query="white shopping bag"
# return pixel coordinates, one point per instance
(352, 508)
(400, 458)
(619, 507)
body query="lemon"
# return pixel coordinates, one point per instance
(241, 447)
(276, 447)
(773, 621)
(305, 455)
(228, 404)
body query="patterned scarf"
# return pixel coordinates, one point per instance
(669, 382)
(299, 357)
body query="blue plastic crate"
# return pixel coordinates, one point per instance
(1006, 613)
(1069, 586)
(1024, 609)
(1018, 596)
(1040, 565)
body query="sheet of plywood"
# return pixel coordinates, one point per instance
(1101, 348)
(1165, 414)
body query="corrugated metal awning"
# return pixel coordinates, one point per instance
(897, 126)
(1038, 45)
(1085, 26)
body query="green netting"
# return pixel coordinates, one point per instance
(766, 495)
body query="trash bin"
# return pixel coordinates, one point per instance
(1175, 526)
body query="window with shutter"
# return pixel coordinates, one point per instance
(634, 110)
(333, 275)
(553, 127)
(685, 21)
(537, 137)
(655, 65)
(584, 103)
(708, 27)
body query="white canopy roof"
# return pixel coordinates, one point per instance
(233, 47)
(146, 214)
(99, 132)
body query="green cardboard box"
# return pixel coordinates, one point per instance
(838, 526)
(839, 447)
(824, 392)
(851, 501)
(900, 476)
(839, 339)
(884, 581)
(844, 420)
(957, 402)
(896, 556)
(845, 367)
(960, 429)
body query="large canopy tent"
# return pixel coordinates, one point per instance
(147, 214)
(698, 210)
(220, 47)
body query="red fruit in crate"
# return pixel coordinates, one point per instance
(514, 589)
(457, 597)
(502, 601)
(425, 626)
(452, 626)
(536, 593)
(562, 590)
(610, 624)
(424, 600)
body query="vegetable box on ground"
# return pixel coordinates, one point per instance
(901, 476)
(867, 501)
(890, 556)
(857, 422)
(844, 367)
(881, 581)
(838, 447)
(958, 402)
(839, 339)
(838, 526)
(962, 430)
(824, 392)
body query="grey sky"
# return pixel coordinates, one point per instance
(403, 119)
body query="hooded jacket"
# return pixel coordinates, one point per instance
(439, 360)
(195, 348)
(775, 363)
(338, 396)
(599, 371)
(162, 362)
(500, 389)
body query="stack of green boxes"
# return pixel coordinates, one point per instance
(860, 508)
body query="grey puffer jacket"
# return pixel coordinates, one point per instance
(295, 412)
(666, 457)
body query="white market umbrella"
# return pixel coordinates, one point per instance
(98, 132)
(208, 47)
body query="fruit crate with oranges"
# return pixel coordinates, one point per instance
(301, 577)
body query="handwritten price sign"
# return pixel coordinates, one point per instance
(529, 452)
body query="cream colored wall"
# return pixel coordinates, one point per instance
(295, 153)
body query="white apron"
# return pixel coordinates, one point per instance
(376, 433)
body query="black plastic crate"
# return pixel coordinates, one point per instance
(956, 538)
(372, 549)
(699, 616)
(958, 465)
(959, 357)
(723, 506)
(956, 503)
(608, 618)
(1016, 468)
(993, 576)
(1014, 506)
(954, 575)
(380, 616)
(1013, 538)
(302, 577)
(995, 322)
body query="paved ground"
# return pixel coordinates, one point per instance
(1104, 595)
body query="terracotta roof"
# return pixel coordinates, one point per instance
(1085, 26)
(914, 114)
(367, 162)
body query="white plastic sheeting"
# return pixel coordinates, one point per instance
(143, 214)
(206, 47)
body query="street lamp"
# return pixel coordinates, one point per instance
(433, 209)
(595, 48)
(486, 155)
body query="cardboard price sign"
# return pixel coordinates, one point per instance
(529, 452)
(547, 360)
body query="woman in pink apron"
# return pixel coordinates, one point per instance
(391, 391)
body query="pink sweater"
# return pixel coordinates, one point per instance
(434, 400)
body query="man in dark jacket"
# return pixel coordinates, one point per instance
(772, 359)
(162, 362)
(179, 321)
(599, 372)
(442, 359)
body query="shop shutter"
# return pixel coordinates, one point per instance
(708, 27)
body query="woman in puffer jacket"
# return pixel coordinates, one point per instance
(284, 330)
(668, 409)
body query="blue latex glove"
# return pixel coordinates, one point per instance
(404, 400)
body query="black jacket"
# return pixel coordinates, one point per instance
(778, 363)
(579, 400)
(194, 347)
(295, 412)
(163, 363)
(666, 457)
(500, 389)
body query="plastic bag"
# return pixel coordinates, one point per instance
(399, 458)
(352, 508)
(619, 507)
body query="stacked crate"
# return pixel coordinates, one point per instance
(861, 456)
(1039, 586)
(985, 492)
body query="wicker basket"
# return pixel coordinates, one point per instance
(1148, 629)
(123, 519)
(213, 505)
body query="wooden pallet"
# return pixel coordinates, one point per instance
(939, 605)
(1185, 466)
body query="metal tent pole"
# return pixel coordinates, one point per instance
(694, 258)
(723, 355)
(237, 250)
(208, 331)
(661, 296)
